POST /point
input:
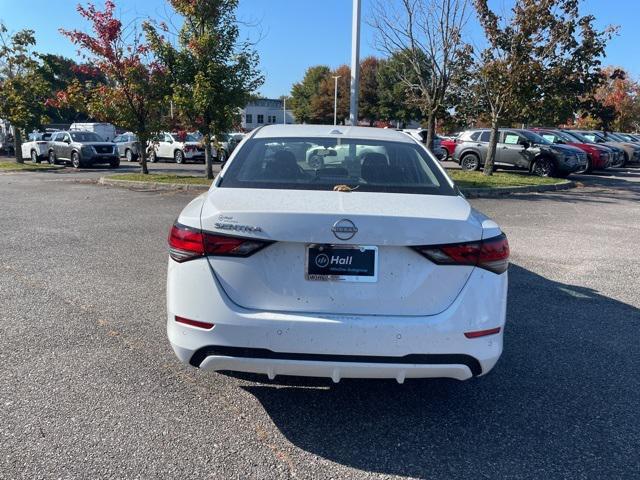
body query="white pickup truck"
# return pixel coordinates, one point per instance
(37, 148)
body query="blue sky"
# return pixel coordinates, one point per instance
(294, 34)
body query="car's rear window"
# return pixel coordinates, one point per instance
(329, 164)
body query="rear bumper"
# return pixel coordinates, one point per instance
(460, 367)
(334, 346)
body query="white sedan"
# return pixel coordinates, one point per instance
(379, 271)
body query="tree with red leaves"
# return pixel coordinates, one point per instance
(136, 90)
(615, 105)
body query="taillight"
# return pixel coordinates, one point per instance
(187, 243)
(491, 254)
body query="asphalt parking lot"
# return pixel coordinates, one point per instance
(90, 388)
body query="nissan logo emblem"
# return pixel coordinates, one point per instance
(344, 229)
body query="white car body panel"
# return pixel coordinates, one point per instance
(41, 147)
(408, 285)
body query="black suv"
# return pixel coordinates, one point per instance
(519, 148)
(82, 149)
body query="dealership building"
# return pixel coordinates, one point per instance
(265, 111)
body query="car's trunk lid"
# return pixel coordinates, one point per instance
(274, 278)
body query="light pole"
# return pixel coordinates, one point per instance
(284, 110)
(335, 99)
(355, 63)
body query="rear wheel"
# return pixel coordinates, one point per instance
(543, 167)
(34, 157)
(179, 156)
(470, 162)
(75, 160)
(128, 154)
(153, 156)
(52, 158)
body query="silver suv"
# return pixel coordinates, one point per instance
(82, 149)
(521, 149)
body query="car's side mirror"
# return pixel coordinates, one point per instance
(67, 141)
(524, 143)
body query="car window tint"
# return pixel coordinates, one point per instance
(324, 163)
(511, 138)
(474, 136)
(485, 136)
(549, 137)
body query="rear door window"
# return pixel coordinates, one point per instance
(511, 138)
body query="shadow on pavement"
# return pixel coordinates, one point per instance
(562, 402)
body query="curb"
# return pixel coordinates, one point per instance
(168, 187)
(505, 191)
(468, 192)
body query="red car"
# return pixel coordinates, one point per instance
(448, 144)
(598, 156)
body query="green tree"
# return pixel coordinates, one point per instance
(368, 97)
(212, 74)
(544, 55)
(304, 92)
(61, 72)
(23, 88)
(393, 104)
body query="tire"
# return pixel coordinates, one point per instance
(625, 160)
(128, 154)
(114, 163)
(153, 156)
(316, 162)
(470, 162)
(178, 156)
(34, 157)
(588, 168)
(75, 160)
(543, 167)
(52, 158)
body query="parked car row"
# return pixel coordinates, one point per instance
(545, 151)
(84, 147)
